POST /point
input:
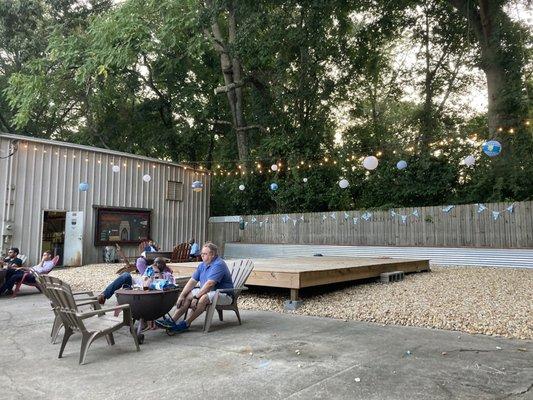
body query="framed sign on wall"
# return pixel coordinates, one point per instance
(126, 226)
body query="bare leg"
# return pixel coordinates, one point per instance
(200, 308)
(184, 307)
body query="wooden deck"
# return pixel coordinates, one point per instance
(302, 272)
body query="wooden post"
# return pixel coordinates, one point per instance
(294, 294)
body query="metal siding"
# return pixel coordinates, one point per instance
(509, 258)
(46, 175)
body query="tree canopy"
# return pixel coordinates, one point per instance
(311, 86)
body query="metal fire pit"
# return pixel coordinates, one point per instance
(147, 305)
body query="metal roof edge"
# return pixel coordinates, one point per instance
(97, 149)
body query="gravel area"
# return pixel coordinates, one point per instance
(490, 301)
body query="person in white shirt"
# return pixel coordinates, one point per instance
(195, 250)
(44, 267)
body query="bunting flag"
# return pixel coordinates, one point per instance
(260, 224)
(511, 208)
(285, 218)
(346, 216)
(254, 220)
(415, 213)
(480, 207)
(495, 215)
(447, 209)
(302, 218)
(367, 216)
(294, 221)
(404, 219)
(324, 217)
(266, 220)
(392, 213)
(333, 216)
(355, 220)
(246, 224)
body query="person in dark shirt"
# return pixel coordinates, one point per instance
(9, 264)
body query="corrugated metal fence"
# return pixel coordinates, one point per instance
(498, 225)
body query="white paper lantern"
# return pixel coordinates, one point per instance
(469, 160)
(274, 167)
(305, 180)
(147, 178)
(370, 162)
(242, 187)
(343, 183)
(115, 168)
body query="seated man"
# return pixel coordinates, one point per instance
(195, 250)
(9, 264)
(213, 274)
(158, 270)
(16, 275)
(150, 246)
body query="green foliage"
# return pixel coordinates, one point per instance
(139, 76)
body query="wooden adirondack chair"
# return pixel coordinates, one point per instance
(91, 324)
(84, 298)
(129, 267)
(181, 253)
(23, 281)
(240, 271)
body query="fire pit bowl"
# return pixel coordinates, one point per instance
(148, 305)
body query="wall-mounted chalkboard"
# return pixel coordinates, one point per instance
(121, 225)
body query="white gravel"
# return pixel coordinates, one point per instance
(491, 301)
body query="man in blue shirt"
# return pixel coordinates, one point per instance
(195, 250)
(212, 274)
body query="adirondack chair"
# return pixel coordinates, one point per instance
(240, 271)
(35, 284)
(91, 324)
(181, 253)
(82, 298)
(129, 267)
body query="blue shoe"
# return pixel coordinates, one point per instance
(179, 327)
(165, 323)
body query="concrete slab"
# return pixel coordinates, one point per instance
(271, 356)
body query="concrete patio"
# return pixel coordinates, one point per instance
(271, 356)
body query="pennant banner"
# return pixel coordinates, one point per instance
(447, 209)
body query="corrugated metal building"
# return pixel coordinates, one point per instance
(40, 185)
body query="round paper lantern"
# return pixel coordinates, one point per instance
(343, 183)
(370, 162)
(241, 187)
(274, 186)
(115, 168)
(84, 186)
(402, 164)
(469, 160)
(305, 180)
(492, 148)
(274, 167)
(197, 186)
(147, 178)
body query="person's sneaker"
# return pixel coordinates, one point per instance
(179, 327)
(165, 323)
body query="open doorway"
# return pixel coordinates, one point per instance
(54, 233)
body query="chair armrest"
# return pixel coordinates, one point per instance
(87, 302)
(88, 314)
(238, 289)
(89, 292)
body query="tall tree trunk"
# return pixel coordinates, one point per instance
(232, 72)
(490, 25)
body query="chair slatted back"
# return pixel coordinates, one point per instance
(61, 295)
(240, 271)
(181, 253)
